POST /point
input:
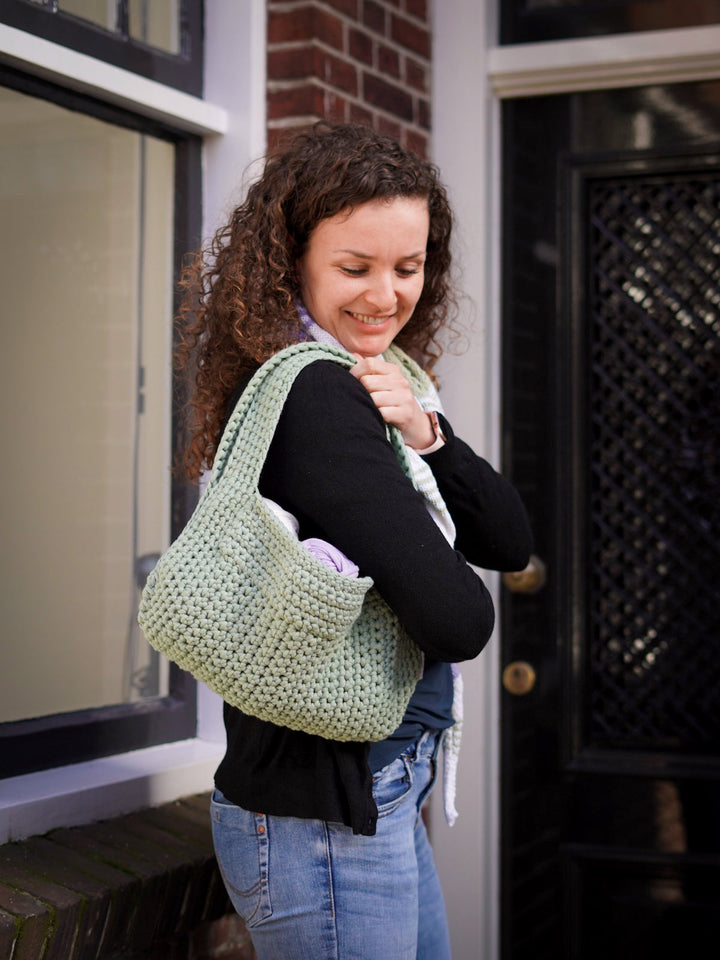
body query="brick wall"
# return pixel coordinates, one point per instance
(140, 887)
(364, 61)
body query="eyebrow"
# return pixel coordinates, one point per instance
(368, 256)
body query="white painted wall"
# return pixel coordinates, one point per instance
(464, 145)
(235, 39)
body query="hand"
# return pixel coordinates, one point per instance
(391, 394)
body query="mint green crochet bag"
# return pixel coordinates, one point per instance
(238, 602)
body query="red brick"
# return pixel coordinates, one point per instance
(417, 142)
(388, 127)
(380, 93)
(416, 75)
(374, 16)
(134, 886)
(329, 29)
(9, 929)
(339, 73)
(360, 114)
(67, 905)
(388, 61)
(195, 807)
(348, 7)
(409, 35)
(286, 26)
(335, 108)
(279, 137)
(293, 64)
(191, 847)
(34, 920)
(360, 46)
(182, 822)
(423, 113)
(417, 8)
(295, 101)
(300, 63)
(305, 23)
(105, 887)
(61, 870)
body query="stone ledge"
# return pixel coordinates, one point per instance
(140, 887)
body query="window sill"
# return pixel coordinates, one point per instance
(112, 84)
(83, 792)
(595, 63)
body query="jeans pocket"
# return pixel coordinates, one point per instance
(391, 785)
(242, 850)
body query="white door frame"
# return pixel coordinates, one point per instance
(471, 75)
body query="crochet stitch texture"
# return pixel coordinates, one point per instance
(239, 603)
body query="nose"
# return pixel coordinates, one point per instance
(381, 293)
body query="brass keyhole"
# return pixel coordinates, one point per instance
(518, 678)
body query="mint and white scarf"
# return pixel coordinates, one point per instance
(426, 485)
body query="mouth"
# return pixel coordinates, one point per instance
(370, 321)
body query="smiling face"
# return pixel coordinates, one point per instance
(363, 272)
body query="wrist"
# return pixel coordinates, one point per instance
(434, 439)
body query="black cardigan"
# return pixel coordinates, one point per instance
(330, 464)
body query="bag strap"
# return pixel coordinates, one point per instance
(245, 442)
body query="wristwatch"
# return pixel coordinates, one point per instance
(437, 429)
(440, 438)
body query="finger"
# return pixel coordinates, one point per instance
(361, 368)
(374, 381)
(389, 398)
(397, 416)
(373, 365)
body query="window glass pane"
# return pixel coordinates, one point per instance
(158, 39)
(523, 21)
(86, 266)
(102, 12)
(156, 23)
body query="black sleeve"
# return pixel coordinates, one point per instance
(331, 465)
(493, 530)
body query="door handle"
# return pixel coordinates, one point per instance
(529, 580)
(519, 678)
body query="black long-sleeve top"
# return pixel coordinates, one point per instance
(330, 464)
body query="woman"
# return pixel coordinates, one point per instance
(345, 239)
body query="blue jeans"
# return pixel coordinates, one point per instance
(313, 890)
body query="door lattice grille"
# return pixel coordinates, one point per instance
(654, 305)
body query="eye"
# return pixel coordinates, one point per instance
(354, 271)
(408, 271)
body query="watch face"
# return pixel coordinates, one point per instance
(436, 425)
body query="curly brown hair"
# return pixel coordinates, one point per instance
(240, 293)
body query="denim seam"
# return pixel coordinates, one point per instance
(261, 887)
(264, 865)
(245, 894)
(331, 891)
(386, 809)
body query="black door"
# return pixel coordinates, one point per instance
(611, 712)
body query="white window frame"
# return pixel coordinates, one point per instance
(471, 76)
(231, 119)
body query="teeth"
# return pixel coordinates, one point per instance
(373, 321)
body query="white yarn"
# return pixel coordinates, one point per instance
(424, 482)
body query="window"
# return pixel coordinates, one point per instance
(160, 39)
(94, 205)
(525, 21)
